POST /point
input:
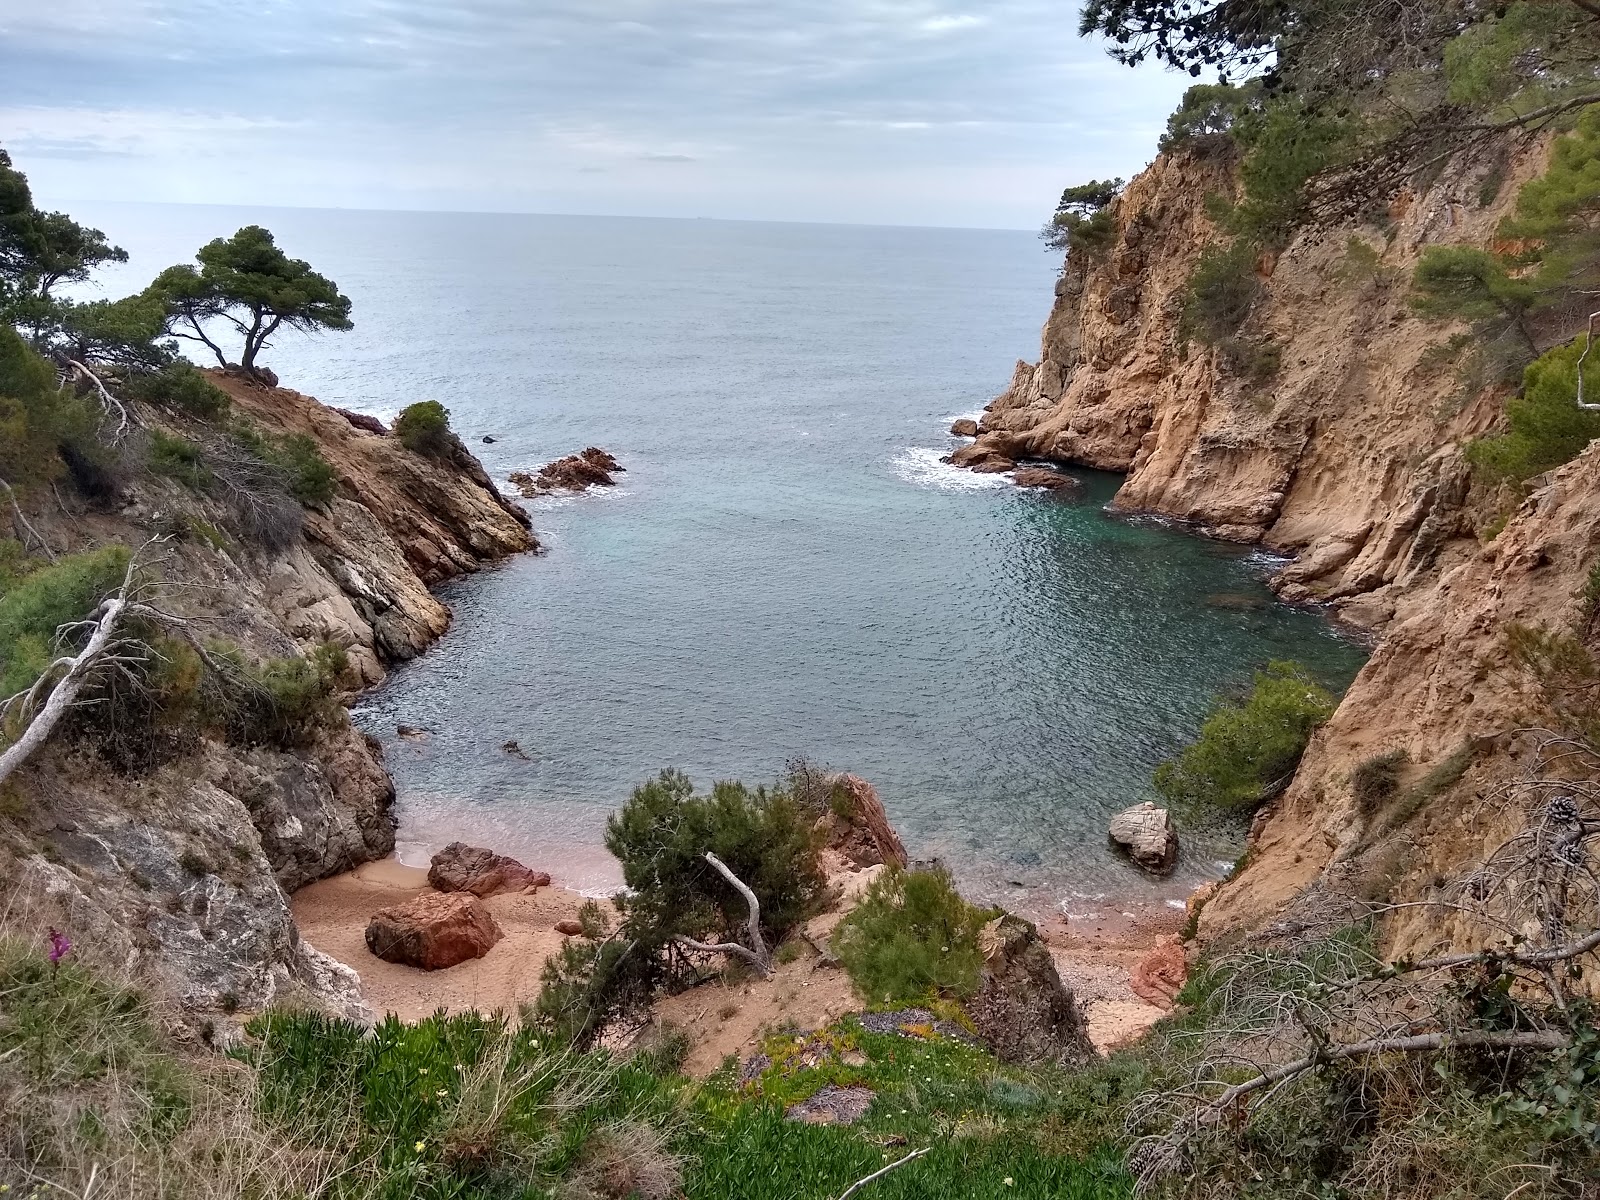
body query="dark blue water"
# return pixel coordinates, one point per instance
(787, 568)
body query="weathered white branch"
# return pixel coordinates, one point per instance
(1588, 345)
(106, 398)
(755, 953)
(106, 646)
(25, 523)
(881, 1172)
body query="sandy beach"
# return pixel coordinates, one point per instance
(724, 1016)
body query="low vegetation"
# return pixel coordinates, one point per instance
(911, 938)
(424, 428)
(1248, 748)
(1546, 428)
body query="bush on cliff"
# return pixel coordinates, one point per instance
(295, 458)
(36, 601)
(1247, 748)
(1547, 428)
(424, 428)
(183, 388)
(912, 936)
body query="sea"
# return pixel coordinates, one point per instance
(787, 568)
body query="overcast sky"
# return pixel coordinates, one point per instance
(921, 112)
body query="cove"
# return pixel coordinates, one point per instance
(787, 568)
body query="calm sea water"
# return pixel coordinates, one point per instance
(787, 568)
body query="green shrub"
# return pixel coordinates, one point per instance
(294, 456)
(424, 428)
(1547, 428)
(1207, 114)
(1375, 780)
(32, 608)
(912, 936)
(178, 458)
(765, 836)
(45, 430)
(596, 982)
(1222, 289)
(182, 387)
(1247, 747)
(285, 701)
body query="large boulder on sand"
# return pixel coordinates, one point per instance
(1022, 1010)
(463, 868)
(433, 931)
(1146, 833)
(858, 828)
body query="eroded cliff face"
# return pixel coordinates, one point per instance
(178, 864)
(1348, 458)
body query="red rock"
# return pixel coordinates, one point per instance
(463, 868)
(363, 421)
(1044, 477)
(1159, 976)
(857, 826)
(433, 931)
(569, 928)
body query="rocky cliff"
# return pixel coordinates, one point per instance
(1345, 452)
(174, 860)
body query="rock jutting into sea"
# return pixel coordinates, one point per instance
(591, 467)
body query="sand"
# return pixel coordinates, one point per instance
(333, 915)
(730, 1015)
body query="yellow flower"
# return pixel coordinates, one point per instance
(422, 1070)
(421, 1146)
(1008, 1181)
(442, 1092)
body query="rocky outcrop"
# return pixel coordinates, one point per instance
(463, 868)
(965, 427)
(172, 859)
(578, 472)
(1145, 833)
(857, 827)
(433, 931)
(1022, 1010)
(1049, 480)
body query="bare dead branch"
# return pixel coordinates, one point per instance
(756, 953)
(112, 404)
(881, 1172)
(27, 526)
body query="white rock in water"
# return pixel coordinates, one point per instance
(1146, 833)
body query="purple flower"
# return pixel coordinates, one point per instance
(60, 946)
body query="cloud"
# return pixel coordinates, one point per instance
(949, 23)
(787, 105)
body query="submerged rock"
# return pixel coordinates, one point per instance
(1044, 477)
(479, 870)
(1146, 833)
(1022, 1011)
(433, 931)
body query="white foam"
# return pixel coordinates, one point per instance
(921, 465)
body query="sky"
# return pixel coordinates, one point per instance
(906, 112)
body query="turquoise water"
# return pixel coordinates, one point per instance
(787, 568)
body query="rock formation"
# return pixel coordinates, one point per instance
(1146, 834)
(177, 862)
(433, 931)
(1022, 1010)
(578, 472)
(463, 868)
(858, 828)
